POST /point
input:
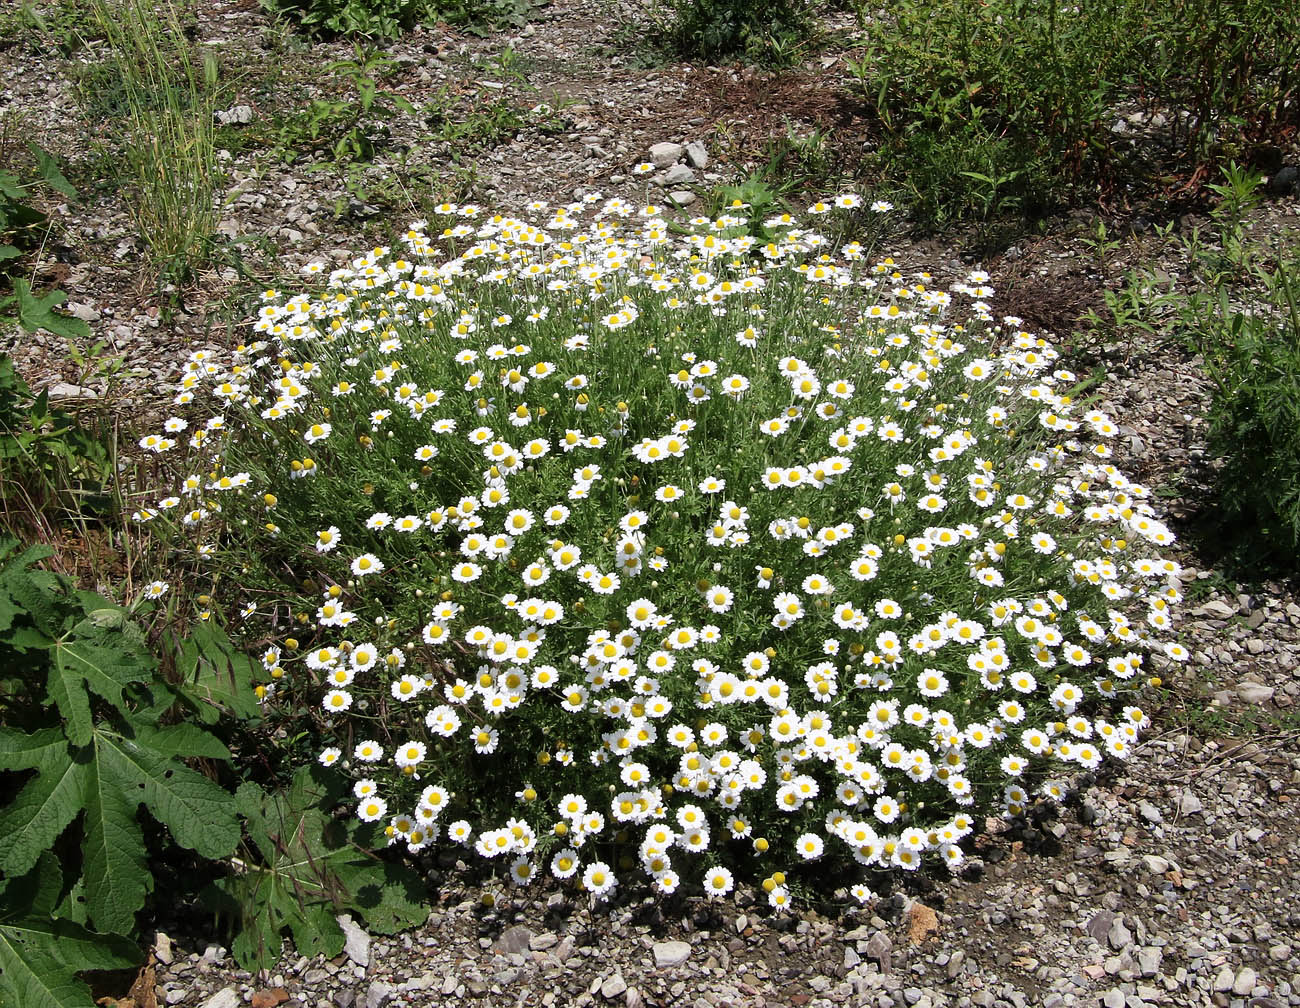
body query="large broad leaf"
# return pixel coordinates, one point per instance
(37, 313)
(92, 658)
(109, 779)
(216, 677)
(310, 871)
(49, 169)
(40, 957)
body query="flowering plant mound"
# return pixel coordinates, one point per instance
(584, 537)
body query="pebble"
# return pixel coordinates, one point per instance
(1244, 982)
(613, 986)
(356, 941)
(1255, 693)
(671, 953)
(665, 154)
(517, 939)
(227, 997)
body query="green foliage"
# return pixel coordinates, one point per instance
(993, 107)
(302, 869)
(21, 228)
(167, 154)
(347, 123)
(47, 452)
(1007, 106)
(776, 33)
(84, 712)
(389, 18)
(42, 951)
(1245, 321)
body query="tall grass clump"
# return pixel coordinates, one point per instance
(592, 548)
(167, 151)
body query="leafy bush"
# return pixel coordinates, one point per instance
(82, 714)
(1008, 105)
(92, 732)
(773, 33)
(389, 18)
(581, 542)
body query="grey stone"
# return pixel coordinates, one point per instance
(614, 986)
(1155, 864)
(880, 948)
(1223, 980)
(697, 156)
(682, 197)
(1244, 982)
(378, 994)
(83, 311)
(955, 964)
(1100, 924)
(633, 999)
(63, 390)
(239, 115)
(1113, 998)
(671, 953)
(515, 939)
(1119, 936)
(162, 948)
(678, 175)
(357, 942)
(1149, 812)
(1149, 961)
(665, 154)
(1189, 803)
(851, 957)
(1255, 693)
(227, 997)
(542, 942)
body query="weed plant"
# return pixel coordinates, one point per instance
(169, 95)
(777, 33)
(587, 547)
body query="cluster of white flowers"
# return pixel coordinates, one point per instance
(705, 547)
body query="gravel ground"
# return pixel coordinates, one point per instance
(1169, 882)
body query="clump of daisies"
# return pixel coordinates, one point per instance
(589, 544)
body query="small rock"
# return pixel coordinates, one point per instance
(671, 953)
(1223, 980)
(357, 942)
(880, 948)
(1100, 924)
(1283, 181)
(162, 948)
(542, 942)
(449, 985)
(665, 154)
(270, 997)
(1256, 647)
(83, 311)
(1155, 864)
(239, 115)
(227, 997)
(682, 197)
(633, 999)
(63, 390)
(1218, 608)
(1113, 998)
(678, 175)
(378, 994)
(955, 964)
(1189, 803)
(1149, 962)
(1150, 813)
(515, 940)
(614, 986)
(697, 156)
(1119, 936)
(1255, 693)
(922, 922)
(1244, 982)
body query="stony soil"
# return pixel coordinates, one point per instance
(1170, 882)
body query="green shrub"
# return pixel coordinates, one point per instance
(1008, 105)
(773, 33)
(389, 18)
(585, 542)
(93, 731)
